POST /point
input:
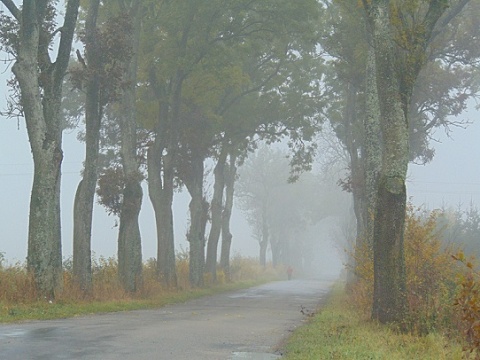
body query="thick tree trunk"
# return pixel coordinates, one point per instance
(196, 232)
(216, 211)
(389, 299)
(83, 205)
(230, 174)
(44, 256)
(372, 146)
(40, 81)
(129, 240)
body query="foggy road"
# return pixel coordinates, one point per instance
(232, 325)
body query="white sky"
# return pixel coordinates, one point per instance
(453, 177)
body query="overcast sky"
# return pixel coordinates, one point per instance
(453, 177)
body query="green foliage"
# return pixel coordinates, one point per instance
(111, 49)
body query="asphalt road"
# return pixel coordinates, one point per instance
(246, 324)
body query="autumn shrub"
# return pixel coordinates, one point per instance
(244, 268)
(361, 290)
(467, 302)
(151, 286)
(183, 269)
(430, 276)
(16, 284)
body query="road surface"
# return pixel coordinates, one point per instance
(245, 324)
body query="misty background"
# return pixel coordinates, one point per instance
(451, 180)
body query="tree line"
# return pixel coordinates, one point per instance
(165, 85)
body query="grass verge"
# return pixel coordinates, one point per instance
(42, 310)
(338, 331)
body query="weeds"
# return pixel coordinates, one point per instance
(19, 300)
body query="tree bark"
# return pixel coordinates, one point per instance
(129, 239)
(216, 211)
(40, 81)
(83, 205)
(161, 196)
(196, 232)
(389, 298)
(230, 175)
(372, 145)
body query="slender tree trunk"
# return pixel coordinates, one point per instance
(356, 168)
(161, 196)
(129, 239)
(40, 82)
(216, 210)
(230, 174)
(265, 236)
(83, 205)
(196, 232)
(263, 252)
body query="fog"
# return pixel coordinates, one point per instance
(451, 179)
(15, 181)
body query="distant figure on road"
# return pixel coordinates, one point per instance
(289, 272)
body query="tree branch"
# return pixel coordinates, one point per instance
(13, 9)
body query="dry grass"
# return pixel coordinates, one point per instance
(19, 300)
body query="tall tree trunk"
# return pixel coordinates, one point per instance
(196, 232)
(265, 236)
(129, 240)
(230, 175)
(389, 298)
(356, 168)
(160, 159)
(40, 81)
(161, 196)
(372, 145)
(216, 211)
(83, 205)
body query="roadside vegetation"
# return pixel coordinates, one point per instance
(20, 301)
(340, 331)
(443, 295)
